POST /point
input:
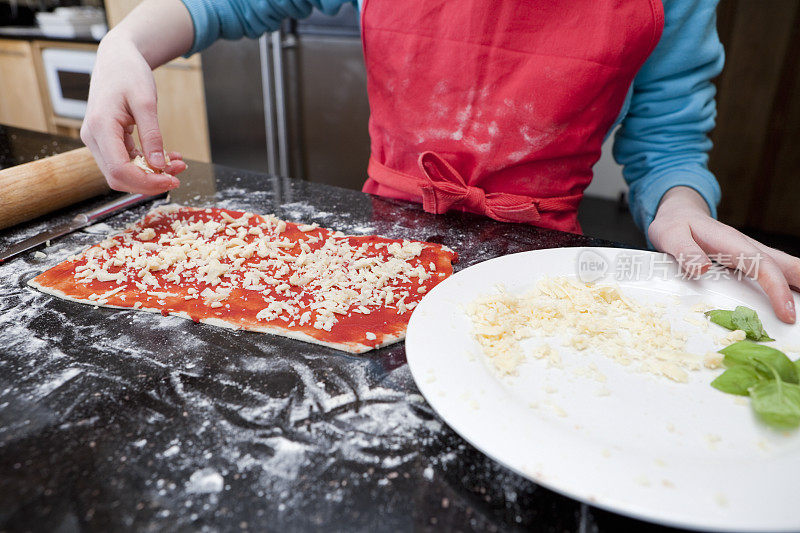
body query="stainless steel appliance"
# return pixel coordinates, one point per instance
(292, 103)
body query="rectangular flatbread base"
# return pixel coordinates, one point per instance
(241, 270)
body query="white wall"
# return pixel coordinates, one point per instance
(608, 181)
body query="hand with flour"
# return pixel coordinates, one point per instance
(123, 95)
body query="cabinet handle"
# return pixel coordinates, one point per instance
(12, 53)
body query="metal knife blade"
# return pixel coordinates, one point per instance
(79, 221)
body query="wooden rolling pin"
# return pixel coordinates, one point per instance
(39, 187)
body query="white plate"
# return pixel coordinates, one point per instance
(680, 454)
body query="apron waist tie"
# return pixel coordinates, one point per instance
(443, 188)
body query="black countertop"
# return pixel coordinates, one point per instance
(19, 146)
(120, 420)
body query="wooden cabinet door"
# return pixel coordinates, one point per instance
(21, 101)
(117, 9)
(182, 110)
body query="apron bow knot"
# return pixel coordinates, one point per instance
(446, 188)
(443, 188)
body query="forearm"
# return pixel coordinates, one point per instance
(663, 142)
(161, 30)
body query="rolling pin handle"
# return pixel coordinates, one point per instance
(33, 189)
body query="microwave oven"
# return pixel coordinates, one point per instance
(68, 72)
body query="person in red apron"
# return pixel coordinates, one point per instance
(496, 108)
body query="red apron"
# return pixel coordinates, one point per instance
(498, 107)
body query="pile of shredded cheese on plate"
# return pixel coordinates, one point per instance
(591, 317)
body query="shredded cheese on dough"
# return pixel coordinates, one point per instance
(298, 284)
(593, 317)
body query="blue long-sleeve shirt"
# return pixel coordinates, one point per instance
(669, 110)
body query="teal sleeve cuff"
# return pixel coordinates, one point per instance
(663, 140)
(646, 195)
(198, 10)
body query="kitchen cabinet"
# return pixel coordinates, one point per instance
(181, 96)
(116, 10)
(755, 154)
(182, 109)
(21, 103)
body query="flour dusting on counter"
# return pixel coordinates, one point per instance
(175, 425)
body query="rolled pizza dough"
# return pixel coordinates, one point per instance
(241, 270)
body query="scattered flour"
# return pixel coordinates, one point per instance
(172, 450)
(209, 407)
(58, 381)
(204, 481)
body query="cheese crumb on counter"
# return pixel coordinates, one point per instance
(599, 318)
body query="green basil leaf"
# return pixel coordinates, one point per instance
(742, 318)
(777, 403)
(797, 366)
(737, 380)
(721, 317)
(747, 320)
(769, 361)
(739, 353)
